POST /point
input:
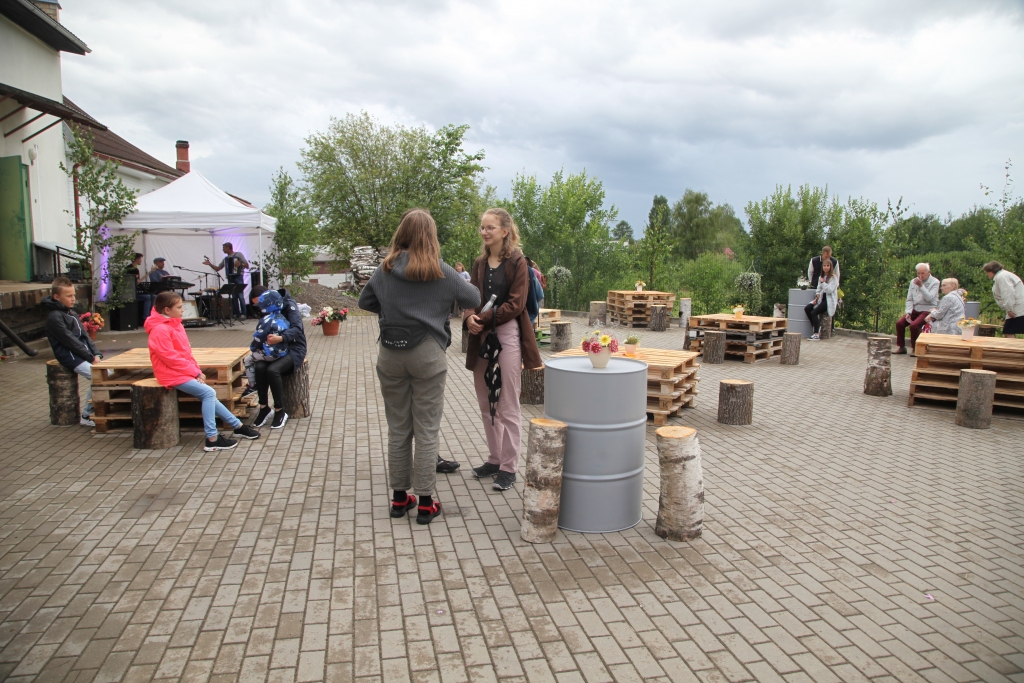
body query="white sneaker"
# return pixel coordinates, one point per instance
(86, 422)
(815, 337)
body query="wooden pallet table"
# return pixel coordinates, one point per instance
(671, 379)
(940, 358)
(630, 308)
(750, 338)
(112, 380)
(546, 316)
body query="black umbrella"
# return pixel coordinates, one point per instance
(492, 375)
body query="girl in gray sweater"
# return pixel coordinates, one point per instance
(412, 292)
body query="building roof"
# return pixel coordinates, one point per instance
(38, 23)
(47, 106)
(109, 145)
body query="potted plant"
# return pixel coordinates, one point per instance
(967, 326)
(599, 348)
(640, 284)
(92, 322)
(632, 341)
(802, 282)
(737, 311)
(329, 319)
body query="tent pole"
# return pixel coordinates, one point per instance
(262, 269)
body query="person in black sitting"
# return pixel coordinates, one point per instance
(234, 265)
(133, 272)
(268, 373)
(814, 267)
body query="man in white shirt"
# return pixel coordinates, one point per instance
(922, 297)
(1008, 291)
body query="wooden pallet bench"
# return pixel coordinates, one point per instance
(671, 379)
(633, 309)
(935, 379)
(730, 323)
(746, 351)
(748, 339)
(112, 380)
(546, 316)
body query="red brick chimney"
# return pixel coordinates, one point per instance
(183, 164)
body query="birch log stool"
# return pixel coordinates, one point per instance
(64, 402)
(532, 387)
(878, 378)
(714, 347)
(681, 503)
(659, 319)
(542, 494)
(826, 326)
(735, 402)
(561, 336)
(296, 391)
(598, 314)
(154, 415)
(685, 309)
(791, 348)
(974, 398)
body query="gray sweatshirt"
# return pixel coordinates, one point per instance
(402, 302)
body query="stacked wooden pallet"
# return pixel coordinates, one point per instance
(548, 316)
(112, 381)
(940, 358)
(633, 309)
(671, 379)
(749, 338)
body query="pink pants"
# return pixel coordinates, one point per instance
(503, 437)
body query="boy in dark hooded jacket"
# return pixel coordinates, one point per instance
(71, 345)
(267, 373)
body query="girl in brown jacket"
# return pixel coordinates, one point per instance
(501, 270)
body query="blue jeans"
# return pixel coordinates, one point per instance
(212, 408)
(85, 370)
(147, 306)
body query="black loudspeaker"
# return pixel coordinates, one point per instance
(125, 318)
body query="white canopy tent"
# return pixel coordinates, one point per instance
(190, 219)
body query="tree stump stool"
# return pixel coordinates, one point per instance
(735, 402)
(685, 309)
(826, 326)
(878, 378)
(296, 391)
(974, 398)
(561, 336)
(598, 314)
(659, 319)
(714, 347)
(532, 387)
(779, 311)
(681, 503)
(65, 407)
(791, 348)
(542, 494)
(155, 421)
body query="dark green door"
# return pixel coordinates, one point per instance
(15, 221)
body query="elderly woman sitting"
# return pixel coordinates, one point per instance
(950, 310)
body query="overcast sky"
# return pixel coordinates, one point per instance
(922, 99)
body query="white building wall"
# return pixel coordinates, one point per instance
(29, 64)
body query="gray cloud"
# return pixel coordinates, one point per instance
(922, 99)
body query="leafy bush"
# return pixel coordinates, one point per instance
(710, 279)
(749, 287)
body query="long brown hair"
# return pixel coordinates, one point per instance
(165, 300)
(510, 244)
(831, 269)
(417, 234)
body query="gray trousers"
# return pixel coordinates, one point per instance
(412, 385)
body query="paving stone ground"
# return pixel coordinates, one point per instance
(847, 538)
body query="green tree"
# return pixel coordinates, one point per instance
(566, 223)
(296, 237)
(786, 231)
(1006, 231)
(650, 253)
(699, 226)
(709, 280)
(360, 177)
(857, 243)
(462, 244)
(623, 232)
(106, 200)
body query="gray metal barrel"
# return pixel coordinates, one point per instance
(606, 410)
(972, 309)
(796, 316)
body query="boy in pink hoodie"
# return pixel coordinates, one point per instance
(174, 367)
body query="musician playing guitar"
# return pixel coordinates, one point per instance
(234, 265)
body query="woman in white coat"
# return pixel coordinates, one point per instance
(950, 310)
(826, 298)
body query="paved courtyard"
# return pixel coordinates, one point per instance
(847, 538)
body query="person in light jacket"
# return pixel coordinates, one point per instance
(826, 298)
(922, 297)
(950, 310)
(1009, 295)
(814, 267)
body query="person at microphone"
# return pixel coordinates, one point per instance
(234, 265)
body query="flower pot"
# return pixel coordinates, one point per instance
(331, 328)
(967, 332)
(631, 349)
(738, 314)
(600, 360)
(92, 334)
(639, 288)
